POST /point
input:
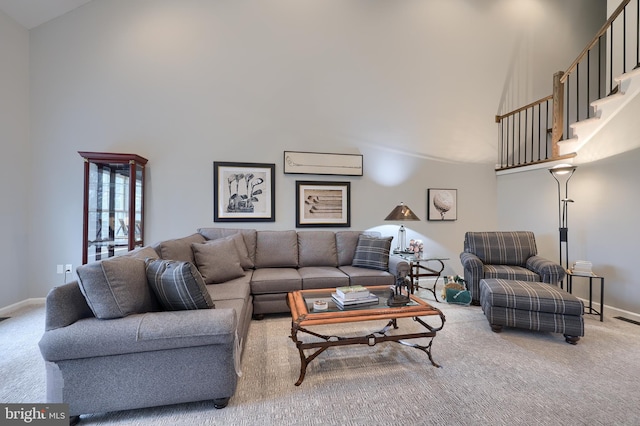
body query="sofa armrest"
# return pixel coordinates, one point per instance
(65, 305)
(550, 272)
(473, 273)
(398, 264)
(471, 262)
(152, 331)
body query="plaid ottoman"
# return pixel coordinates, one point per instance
(531, 305)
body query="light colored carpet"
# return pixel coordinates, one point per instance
(516, 377)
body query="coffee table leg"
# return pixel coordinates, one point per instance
(425, 349)
(304, 359)
(303, 367)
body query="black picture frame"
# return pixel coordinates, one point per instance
(244, 192)
(442, 204)
(323, 204)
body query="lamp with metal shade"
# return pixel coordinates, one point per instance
(401, 213)
(562, 173)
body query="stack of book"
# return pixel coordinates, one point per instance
(352, 296)
(581, 267)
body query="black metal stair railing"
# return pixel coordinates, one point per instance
(530, 134)
(525, 134)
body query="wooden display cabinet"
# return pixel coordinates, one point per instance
(113, 210)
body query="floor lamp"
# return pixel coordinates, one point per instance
(562, 173)
(401, 213)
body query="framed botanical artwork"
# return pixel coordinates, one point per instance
(323, 204)
(244, 192)
(442, 204)
(316, 163)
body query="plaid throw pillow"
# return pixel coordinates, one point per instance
(178, 285)
(372, 252)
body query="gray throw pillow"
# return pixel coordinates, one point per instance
(116, 287)
(179, 249)
(178, 285)
(217, 260)
(372, 252)
(241, 248)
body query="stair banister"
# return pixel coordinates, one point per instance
(595, 39)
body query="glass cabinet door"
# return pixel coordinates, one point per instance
(113, 219)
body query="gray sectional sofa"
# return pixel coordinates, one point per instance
(167, 323)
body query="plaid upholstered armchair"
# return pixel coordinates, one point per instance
(506, 255)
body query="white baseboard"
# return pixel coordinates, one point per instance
(611, 311)
(7, 310)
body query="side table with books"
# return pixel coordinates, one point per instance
(577, 272)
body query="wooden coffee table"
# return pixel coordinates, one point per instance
(304, 316)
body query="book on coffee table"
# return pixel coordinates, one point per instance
(353, 292)
(372, 299)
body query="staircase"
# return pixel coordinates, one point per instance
(585, 98)
(603, 111)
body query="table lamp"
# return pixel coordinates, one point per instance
(401, 213)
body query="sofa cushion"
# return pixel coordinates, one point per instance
(239, 288)
(509, 272)
(139, 333)
(276, 249)
(179, 249)
(322, 277)
(317, 248)
(366, 276)
(217, 260)
(372, 252)
(249, 236)
(116, 287)
(275, 280)
(346, 242)
(178, 285)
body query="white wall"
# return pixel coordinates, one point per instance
(16, 172)
(185, 83)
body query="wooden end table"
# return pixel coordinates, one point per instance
(304, 316)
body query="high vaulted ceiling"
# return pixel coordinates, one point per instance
(31, 13)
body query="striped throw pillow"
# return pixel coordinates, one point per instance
(372, 252)
(178, 285)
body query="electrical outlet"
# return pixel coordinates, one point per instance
(60, 270)
(68, 268)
